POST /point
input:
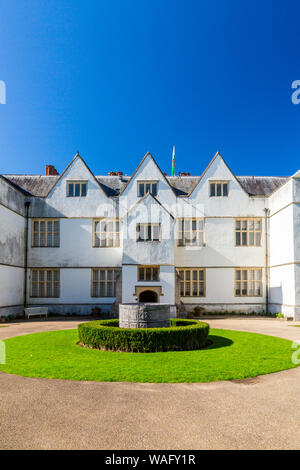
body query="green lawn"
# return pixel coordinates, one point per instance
(232, 355)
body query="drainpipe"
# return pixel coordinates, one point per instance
(267, 211)
(27, 204)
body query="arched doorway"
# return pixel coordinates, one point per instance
(148, 296)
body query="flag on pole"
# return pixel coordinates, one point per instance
(173, 161)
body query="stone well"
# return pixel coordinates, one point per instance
(146, 315)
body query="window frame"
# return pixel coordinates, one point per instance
(215, 183)
(116, 235)
(191, 280)
(45, 282)
(145, 182)
(247, 231)
(106, 280)
(152, 225)
(248, 281)
(182, 231)
(53, 232)
(151, 267)
(81, 183)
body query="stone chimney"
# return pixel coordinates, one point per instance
(184, 174)
(115, 173)
(51, 171)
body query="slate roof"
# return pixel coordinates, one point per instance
(40, 185)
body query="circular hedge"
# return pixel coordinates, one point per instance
(182, 335)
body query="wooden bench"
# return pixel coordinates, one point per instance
(33, 311)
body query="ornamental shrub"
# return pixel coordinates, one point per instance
(181, 335)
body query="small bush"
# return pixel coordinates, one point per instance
(198, 311)
(279, 315)
(96, 311)
(181, 335)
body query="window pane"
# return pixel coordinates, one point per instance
(110, 291)
(244, 238)
(141, 189)
(187, 225)
(42, 239)
(212, 189)
(219, 189)
(102, 289)
(238, 238)
(148, 188)
(77, 189)
(195, 289)
(201, 275)
(154, 189)
(97, 240)
(71, 189)
(148, 274)
(225, 189)
(141, 274)
(102, 275)
(251, 238)
(95, 289)
(155, 274)
(83, 189)
(257, 225)
(156, 232)
(257, 239)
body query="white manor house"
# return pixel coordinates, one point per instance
(222, 242)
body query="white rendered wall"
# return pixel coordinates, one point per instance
(167, 280)
(75, 293)
(76, 249)
(220, 293)
(136, 252)
(284, 241)
(12, 225)
(11, 288)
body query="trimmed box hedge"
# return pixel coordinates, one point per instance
(181, 335)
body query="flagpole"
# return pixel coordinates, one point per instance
(173, 161)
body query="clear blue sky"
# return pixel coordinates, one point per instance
(116, 78)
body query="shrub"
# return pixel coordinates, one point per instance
(198, 311)
(96, 312)
(279, 315)
(181, 335)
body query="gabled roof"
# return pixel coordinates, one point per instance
(141, 199)
(148, 155)
(113, 186)
(209, 165)
(76, 157)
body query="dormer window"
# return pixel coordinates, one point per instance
(76, 188)
(145, 187)
(218, 188)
